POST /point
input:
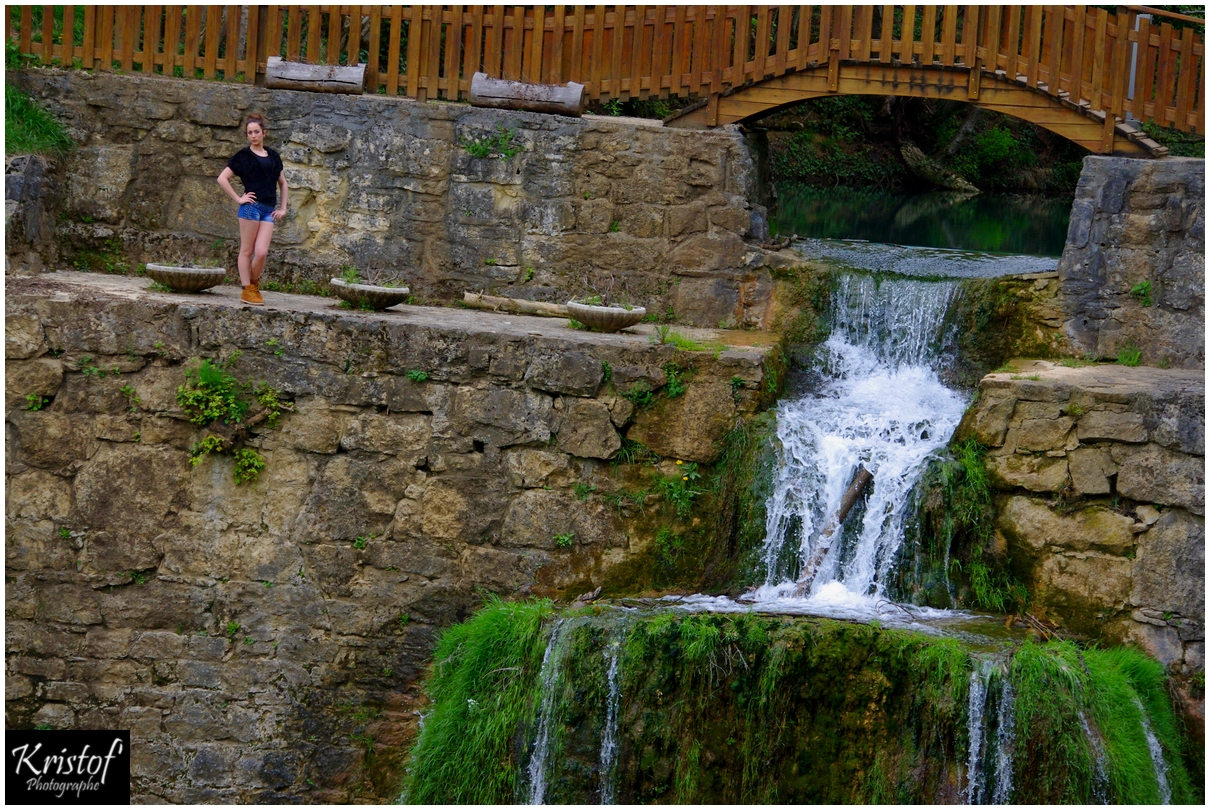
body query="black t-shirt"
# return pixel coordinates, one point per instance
(258, 174)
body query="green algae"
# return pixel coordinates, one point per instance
(762, 709)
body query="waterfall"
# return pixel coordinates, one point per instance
(609, 736)
(548, 675)
(882, 407)
(1003, 787)
(1157, 756)
(975, 710)
(1100, 763)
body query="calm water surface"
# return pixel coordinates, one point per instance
(1035, 226)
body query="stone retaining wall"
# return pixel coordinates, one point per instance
(262, 641)
(1100, 475)
(1133, 272)
(385, 184)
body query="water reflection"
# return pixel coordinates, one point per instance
(942, 219)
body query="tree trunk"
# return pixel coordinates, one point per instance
(856, 487)
(557, 99)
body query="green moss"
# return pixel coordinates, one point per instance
(482, 683)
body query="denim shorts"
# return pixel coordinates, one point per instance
(257, 212)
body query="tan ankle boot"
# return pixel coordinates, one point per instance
(252, 296)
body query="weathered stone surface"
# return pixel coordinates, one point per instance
(1118, 240)
(1035, 526)
(1090, 469)
(149, 593)
(40, 377)
(1170, 569)
(1155, 475)
(386, 186)
(588, 431)
(23, 337)
(1037, 474)
(1118, 427)
(690, 427)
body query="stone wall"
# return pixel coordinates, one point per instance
(1137, 222)
(1100, 479)
(384, 184)
(262, 641)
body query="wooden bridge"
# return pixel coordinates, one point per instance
(1080, 71)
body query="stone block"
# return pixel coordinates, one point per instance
(404, 435)
(502, 417)
(1030, 524)
(537, 516)
(1153, 474)
(38, 495)
(587, 430)
(23, 336)
(1170, 568)
(53, 441)
(42, 377)
(529, 468)
(1034, 473)
(1112, 426)
(690, 427)
(1090, 469)
(1034, 435)
(313, 427)
(568, 372)
(990, 423)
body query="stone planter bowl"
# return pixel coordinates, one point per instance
(186, 279)
(369, 295)
(605, 319)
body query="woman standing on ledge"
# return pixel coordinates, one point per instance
(259, 168)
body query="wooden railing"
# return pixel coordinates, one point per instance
(1080, 55)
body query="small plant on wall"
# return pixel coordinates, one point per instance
(214, 399)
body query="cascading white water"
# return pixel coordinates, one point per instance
(609, 736)
(884, 408)
(1002, 791)
(1100, 763)
(548, 675)
(1157, 755)
(976, 707)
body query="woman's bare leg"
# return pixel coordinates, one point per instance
(264, 234)
(247, 244)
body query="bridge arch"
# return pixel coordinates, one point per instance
(996, 92)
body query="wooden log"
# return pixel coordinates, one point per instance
(502, 94)
(856, 487)
(494, 303)
(282, 75)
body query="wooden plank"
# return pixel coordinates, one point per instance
(193, 30)
(762, 42)
(928, 36)
(1012, 43)
(355, 15)
(430, 85)
(454, 33)
(105, 34)
(1033, 46)
(1167, 73)
(576, 69)
(472, 64)
(636, 51)
(1076, 49)
(151, 38)
(1054, 39)
(617, 32)
(1120, 69)
(559, 30)
(844, 30)
(314, 32)
(331, 54)
(721, 48)
(493, 64)
(231, 48)
(537, 46)
(1098, 59)
(48, 35)
(907, 35)
(394, 47)
(783, 39)
(373, 79)
(597, 55)
(1184, 86)
(294, 34)
(515, 55)
(679, 29)
(697, 61)
(659, 51)
(886, 34)
(26, 37)
(974, 16)
(273, 31)
(214, 28)
(172, 37)
(411, 67)
(252, 45)
(949, 34)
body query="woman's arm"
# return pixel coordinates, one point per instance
(283, 196)
(224, 181)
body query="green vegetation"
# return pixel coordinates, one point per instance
(583, 489)
(954, 521)
(248, 465)
(483, 686)
(35, 402)
(679, 489)
(1142, 291)
(1129, 354)
(416, 375)
(641, 395)
(212, 393)
(497, 145)
(29, 129)
(566, 540)
(676, 380)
